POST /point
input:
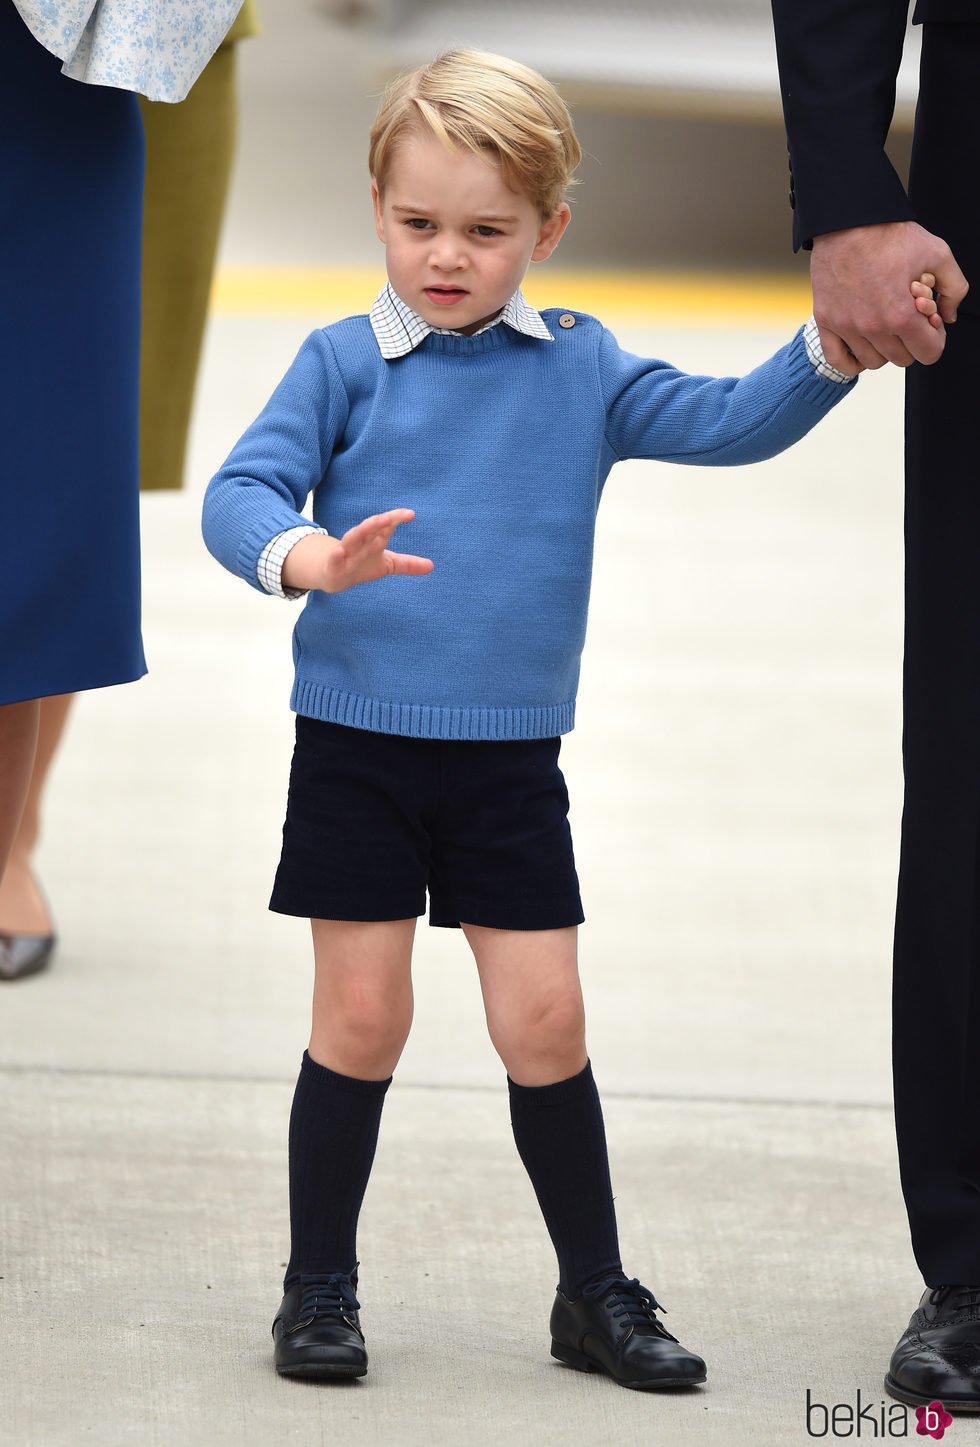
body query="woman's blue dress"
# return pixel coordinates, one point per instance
(71, 179)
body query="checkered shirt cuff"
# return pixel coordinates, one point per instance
(269, 568)
(814, 351)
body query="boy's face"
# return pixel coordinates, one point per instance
(457, 239)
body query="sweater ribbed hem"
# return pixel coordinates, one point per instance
(423, 722)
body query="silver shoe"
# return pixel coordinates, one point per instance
(22, 955)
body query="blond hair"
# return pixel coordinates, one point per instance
(483, 103)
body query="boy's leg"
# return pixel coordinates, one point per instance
(536, 1019)
(362, 1013)
(362, 995)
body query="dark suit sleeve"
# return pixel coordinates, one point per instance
(838, 60)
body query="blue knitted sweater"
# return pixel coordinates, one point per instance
(502, 444)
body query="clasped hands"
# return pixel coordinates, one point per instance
(866, 308)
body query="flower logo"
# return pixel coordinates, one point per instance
(933, 1420)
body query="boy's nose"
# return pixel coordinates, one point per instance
(447, 254)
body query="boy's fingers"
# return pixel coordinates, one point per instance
(409, 563)
(382, 524)
(391, 518)
(839, 354)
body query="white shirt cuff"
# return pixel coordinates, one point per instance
(268, 570)
(816, 358)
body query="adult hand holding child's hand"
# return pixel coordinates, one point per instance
(319, 561)
(860, 301)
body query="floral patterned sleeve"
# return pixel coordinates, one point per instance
(155, 47)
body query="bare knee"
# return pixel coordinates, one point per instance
(362, 995)
(361, 1030)
(545, 1042)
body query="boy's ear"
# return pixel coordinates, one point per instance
(552, 231)
(379, 224)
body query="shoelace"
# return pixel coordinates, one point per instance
(628, 1299)
(327, 1296)
(959, 1298)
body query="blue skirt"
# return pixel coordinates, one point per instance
(71, 184)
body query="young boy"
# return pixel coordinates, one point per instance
(430, 707)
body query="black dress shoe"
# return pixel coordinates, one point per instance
(612, 1328)
(22, 955)
(317, 1331)
(938, 1356)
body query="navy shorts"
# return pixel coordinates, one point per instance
(374, 821)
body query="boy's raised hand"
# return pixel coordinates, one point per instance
(360, 556)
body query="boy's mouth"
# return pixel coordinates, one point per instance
(445, 295)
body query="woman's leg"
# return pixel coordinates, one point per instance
(22, 906)
(18, 741)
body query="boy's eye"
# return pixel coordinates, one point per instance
(486, 230)
(417, 223)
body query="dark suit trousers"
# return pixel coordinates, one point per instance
(937, 933)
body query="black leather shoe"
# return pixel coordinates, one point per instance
(938, 1356)
(22, 955)
(318, 1332)
(612, 1328)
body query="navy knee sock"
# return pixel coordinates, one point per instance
(561, 1138)
(333, 1132)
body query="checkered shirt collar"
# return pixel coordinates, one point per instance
(399, 329)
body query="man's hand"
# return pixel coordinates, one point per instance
(861, 298)
(360, 556)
